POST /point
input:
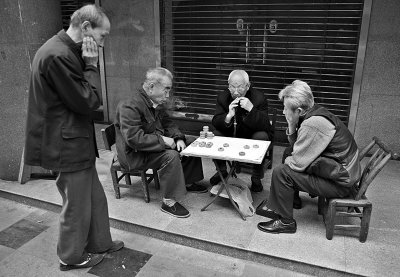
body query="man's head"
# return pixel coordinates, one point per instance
(239, 83)
(90, 20)
(158, 84)
(297, 99)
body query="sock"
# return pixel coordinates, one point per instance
(287, 220)
(169, 202)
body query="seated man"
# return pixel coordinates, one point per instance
(324, 161)
(248, 108)
(147, 138)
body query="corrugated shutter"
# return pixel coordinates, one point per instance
(68, 7)
(275, 41)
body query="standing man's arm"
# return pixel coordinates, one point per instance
(80, 92)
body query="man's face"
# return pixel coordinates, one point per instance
(238, 86)
(292, 115)
(159, 91)
(98, 33)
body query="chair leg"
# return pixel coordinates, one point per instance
(114, 177)
(321, 203)
(330, 220)
(145, 187)
(156, 180)
(365, 222)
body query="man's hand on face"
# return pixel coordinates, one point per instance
(90, 52)
(169, 142)
(245, 103)
(180, 145)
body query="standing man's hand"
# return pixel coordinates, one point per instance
(180, 145)
(90, 52)
(245, 103)
(169, 142)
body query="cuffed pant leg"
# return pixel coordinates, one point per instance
(285, 181)
(170, 173)
(75, 189)
(99, 238)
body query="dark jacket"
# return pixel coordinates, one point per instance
(247, 122)
(339, 161)
(139, 127)
(63, 92)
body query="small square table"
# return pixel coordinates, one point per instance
(232, 150)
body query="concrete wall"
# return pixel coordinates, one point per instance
(130, 49)
(24, 26)
(379, 103)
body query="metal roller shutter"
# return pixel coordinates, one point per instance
(275, 41)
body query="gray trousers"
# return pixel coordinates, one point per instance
(84, 222)
(285, 181)
(175, 172)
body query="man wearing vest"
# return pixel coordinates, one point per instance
(324, 160)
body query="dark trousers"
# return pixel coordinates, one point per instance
(285, 181)
(258, 169)
(84, 222)
(174, 172)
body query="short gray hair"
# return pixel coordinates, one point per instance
(240, 72)
(298, 95)
(156, 75)
(91, 13)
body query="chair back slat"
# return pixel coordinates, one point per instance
(108, 134)
(376, 162)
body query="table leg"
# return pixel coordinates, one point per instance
(225, 185)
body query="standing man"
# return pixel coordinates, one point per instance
(324, 160)
(147, 138)
(64, 89)
(246, 107)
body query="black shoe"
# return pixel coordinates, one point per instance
(265, 211)
(117, 245)
(214, 180)
(277, 226)
(91, 260)
(196, 188)
(256, 185)
(297, 203)
(176, 210)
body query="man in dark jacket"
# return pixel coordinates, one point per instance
(324, 160)
(64, 89)
(147, 138)
(241, 111)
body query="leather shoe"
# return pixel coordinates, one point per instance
(90, 261)
(277, 226)
(265, 211)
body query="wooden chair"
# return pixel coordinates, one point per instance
(117, 172)
(359, 205)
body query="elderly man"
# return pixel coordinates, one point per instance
(64, 89)
(324, 160)
(241, 111)
(147, 138)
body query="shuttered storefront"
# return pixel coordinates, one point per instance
(275, 41)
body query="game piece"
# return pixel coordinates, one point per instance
(241, 153)
(255, 146)
(209, 135)
(195, 143)
(209, 144)
(221, 149)
(202, 134)
(246, 147)
(202, 144)
(226, 144)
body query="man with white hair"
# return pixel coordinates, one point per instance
(147, 138)
(64, 89)
(323, 162)
(247, 108)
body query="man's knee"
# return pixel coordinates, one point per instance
(260, 135)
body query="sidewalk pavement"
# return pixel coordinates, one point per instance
(220, 230)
